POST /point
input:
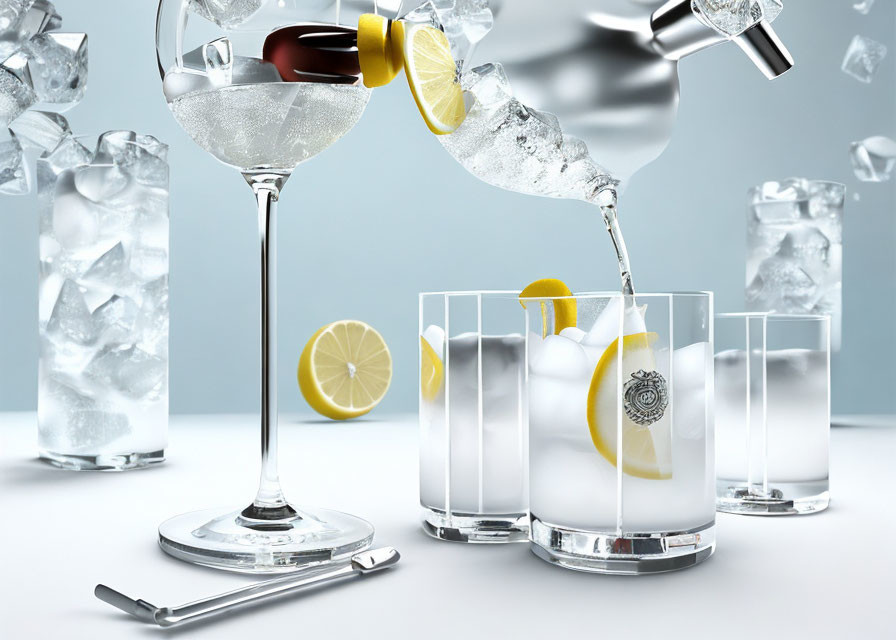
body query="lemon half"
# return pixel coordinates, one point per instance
(646, 450)
(433, 77)
(345, 370)
(565, 310)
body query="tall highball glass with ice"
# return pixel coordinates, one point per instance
(472, 416)
(621, 450)
(244, 80)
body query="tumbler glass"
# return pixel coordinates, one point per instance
(773, 414)
(473, 416)
(621, 431)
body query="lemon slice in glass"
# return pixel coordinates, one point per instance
(565, 310)
(432, 371)
(345, 370)
(433, 77)
(646, 450)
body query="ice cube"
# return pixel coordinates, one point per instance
(70, 420)
(148, 263)
(142, 157)
(489, 84)
(71, 319)
(58, 66)
(75, 218)
(805, 244)
(465, 23)
(863, 58)
(22, 19)
(226, 13)
(15, 97)
(786, 279)
(15, 179)
(733, 17)
(115, 319)
(606, 328)
(99, 182)
(780, 202)
(863, 6)
(573, 333)
(873, 159)
(435, 336)
(110, 269)
(130, 370)
(153, 318)
(68, 153)
(826, 199)
(40, 130)
(218, 57)
(559, 357)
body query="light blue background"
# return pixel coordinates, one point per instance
(386, 213)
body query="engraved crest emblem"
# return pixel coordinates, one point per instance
(645, 397)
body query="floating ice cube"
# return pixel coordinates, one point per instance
(560, 357)
(226, 13)
(15, 97)
(40, 130)
(58, 66)
(14, 176)
(130, 370)
(115, 319)
(142, 157)
(873, 159)
(863, 6)
(110, 269)
(863, 58)
(98, 182)
(71, 319)
(435, 336)
(465, 22)
(21, 20)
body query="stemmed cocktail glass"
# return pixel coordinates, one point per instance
(239, 80)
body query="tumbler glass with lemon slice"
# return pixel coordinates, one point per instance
(621, 473)
(473, 416)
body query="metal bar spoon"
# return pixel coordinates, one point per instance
(360, 564)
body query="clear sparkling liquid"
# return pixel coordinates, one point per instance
(274, 125)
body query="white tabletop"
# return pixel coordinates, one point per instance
(829, 575)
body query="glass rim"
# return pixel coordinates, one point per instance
(777, 317)
(472, 292)
(611, 295)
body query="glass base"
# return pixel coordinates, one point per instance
(781, 499)
(227, 539)
(633, 554)
(113, 462)
(476, 528)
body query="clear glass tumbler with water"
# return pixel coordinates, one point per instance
(472, 416)
(621, 443)
(773, 413)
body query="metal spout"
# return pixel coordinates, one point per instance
(679, 31)
(763, 46)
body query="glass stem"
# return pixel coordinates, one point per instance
(269, 501)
